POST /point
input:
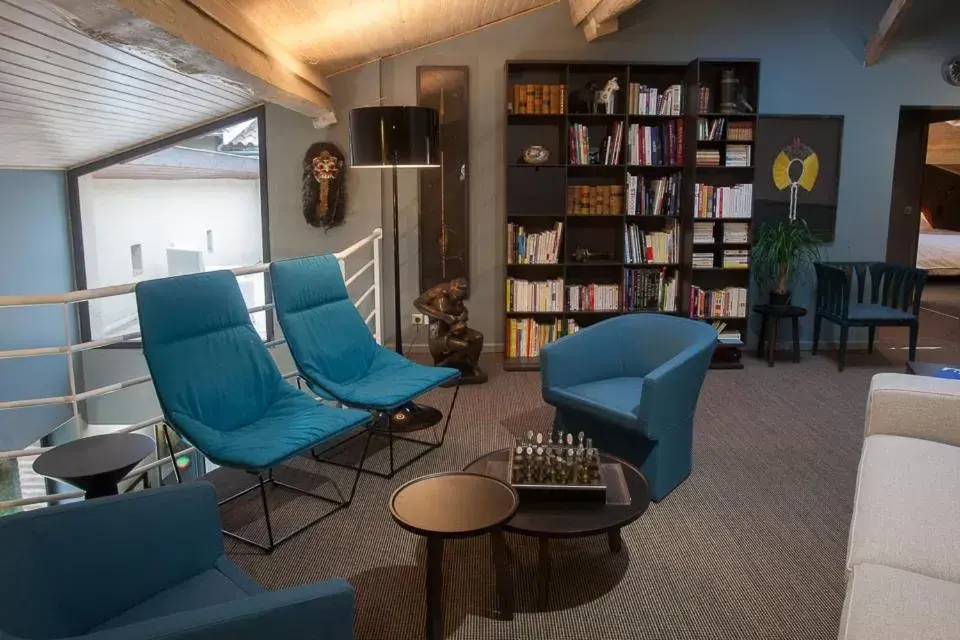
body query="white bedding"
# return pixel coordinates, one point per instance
(939, 252)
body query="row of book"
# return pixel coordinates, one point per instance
(718, 129)
(702, 259)
(527, 296)
(728, 302)
(735, 201)
(725, 335)
(736, 258)
(738, 155)
(540, 98)
(649, 290)
(655, 145)
(657, 197)
(593, 297)
(526, 336)
(732, 233)
(533, 248)
(609, 151)
(592, 200)
(650, 101)
(650, 247)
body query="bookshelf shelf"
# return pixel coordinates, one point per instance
(664, 180)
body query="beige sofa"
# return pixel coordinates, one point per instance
(903, 555)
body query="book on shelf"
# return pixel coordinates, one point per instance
(610, 146)
(726, 336)
(703, 260)
(650, 101)
(723, 202)
(533, 248)
(650, 247)
(655, 145)
(736, 259)
(740, 131)
(703, 233)
(711, 129)
(727, 302)
(735, 232)
(649, 290)
(703, 100)
(594, 200)
(543, 99)
(739, 155)
(526, 336)
(593, 297)
(708, 157)
(656, 197)
(534, 296)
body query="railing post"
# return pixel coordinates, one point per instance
(71, 373)
(343, 268)
(377, 294)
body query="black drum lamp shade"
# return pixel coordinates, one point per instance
(394, 136)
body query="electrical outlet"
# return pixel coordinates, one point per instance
(419, 318)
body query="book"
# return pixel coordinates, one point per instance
(534, 296)
(650, 247)
(727, 302)
(649, 290)
(593, 297)
(735, 201)
(533, 248)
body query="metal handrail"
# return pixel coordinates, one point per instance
(70, 348)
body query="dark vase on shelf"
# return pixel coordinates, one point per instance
(779, 299)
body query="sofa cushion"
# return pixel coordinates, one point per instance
(906, 513)
(867, 311)
(892, 604)
(614, 399)
(203, 590)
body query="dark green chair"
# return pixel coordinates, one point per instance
(895, 292)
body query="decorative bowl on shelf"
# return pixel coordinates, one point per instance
(535, 154)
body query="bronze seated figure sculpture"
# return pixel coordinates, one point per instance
(452, 342)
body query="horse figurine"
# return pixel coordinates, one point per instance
(606, 95)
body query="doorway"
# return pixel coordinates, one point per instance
(924, 225)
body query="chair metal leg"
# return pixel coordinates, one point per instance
(266, 509)
(173, 458)
(914, 334)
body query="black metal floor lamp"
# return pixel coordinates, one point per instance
(397, 137)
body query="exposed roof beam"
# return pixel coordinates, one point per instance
(598, 18)
(889, 23)
(207, 37)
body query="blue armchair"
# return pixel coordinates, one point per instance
(336, 354)
(144, 565)
(220, 389)
(632, 383)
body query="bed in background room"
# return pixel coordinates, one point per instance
(938, 250)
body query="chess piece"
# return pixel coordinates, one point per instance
(452, 342)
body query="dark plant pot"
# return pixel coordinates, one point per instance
(779, 299)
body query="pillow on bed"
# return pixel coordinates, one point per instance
(924, 223)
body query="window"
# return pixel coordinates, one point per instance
(154, 212)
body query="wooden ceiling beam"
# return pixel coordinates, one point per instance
(889, 23)
(598, 18)
(209, 38)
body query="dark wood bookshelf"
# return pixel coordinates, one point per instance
(536, 194)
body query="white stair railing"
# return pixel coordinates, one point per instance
(372, 294)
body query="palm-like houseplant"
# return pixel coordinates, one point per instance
(780, 250)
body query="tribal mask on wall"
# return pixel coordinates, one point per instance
(324, 194)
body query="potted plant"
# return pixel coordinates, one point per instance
(780, 250)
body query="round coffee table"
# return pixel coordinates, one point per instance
(545, 521)
(456, 505)
(95, 464)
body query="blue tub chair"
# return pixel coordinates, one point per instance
(145, 565)
(632, 383)
(220, 389)
(337, 356)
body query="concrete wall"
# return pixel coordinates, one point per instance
(35, 257)
(811, 63)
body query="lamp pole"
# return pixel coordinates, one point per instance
(396, 260)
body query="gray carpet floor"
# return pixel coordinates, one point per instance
(751, 546)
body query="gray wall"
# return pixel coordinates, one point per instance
(811, 62)
(35, 258)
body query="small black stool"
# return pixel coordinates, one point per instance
(776, 313)
(457, 505)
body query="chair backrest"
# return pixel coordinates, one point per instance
(329, 341)
(897, 286)
(210, 368)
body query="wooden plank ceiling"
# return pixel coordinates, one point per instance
(338, 35)
(66, 99)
